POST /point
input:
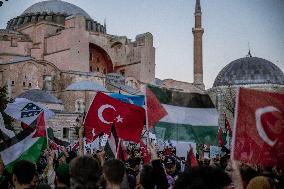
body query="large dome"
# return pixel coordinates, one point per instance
(56, 6)
(249, 70)
(37, 95)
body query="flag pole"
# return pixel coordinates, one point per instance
(146, 115)
(46, 134)
(117, 148)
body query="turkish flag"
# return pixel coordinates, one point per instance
(144, 153)
(155, 110)
(105, 111)
(259, 129)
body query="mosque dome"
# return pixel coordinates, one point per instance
(249, 70)
(53, 11)
(37, 95)
(56, 6)
(86, 86)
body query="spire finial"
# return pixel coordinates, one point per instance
(105, 25)
(249, 53)
(197, 6)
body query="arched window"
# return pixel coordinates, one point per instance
(80, 105)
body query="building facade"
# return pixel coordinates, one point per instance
(54, 44)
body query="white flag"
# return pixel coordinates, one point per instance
(7, 132)
(26, 110)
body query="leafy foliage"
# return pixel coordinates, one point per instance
(4, 100)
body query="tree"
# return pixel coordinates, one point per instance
(4, 100)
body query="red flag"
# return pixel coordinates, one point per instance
(75, 146)
(121, 153)
(220, 137)
(144, 152)
(155, 110)
(191, 159)
(40, 126)
(52, 145)
(227, 125)
(259, 128)
(24, 126)
(105, 111)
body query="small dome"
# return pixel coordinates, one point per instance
(37, 95)
(249, 70)
(86, 86)
(56, 6)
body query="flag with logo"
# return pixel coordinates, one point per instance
(258, 131)
(106, 111)
(26, 111)
(22, 147)
(191, 116)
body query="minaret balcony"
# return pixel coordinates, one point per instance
(197, 30)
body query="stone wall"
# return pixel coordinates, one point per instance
(64, 120)
(20, 49)
(25, 75)
(181, 86)
(69, 48)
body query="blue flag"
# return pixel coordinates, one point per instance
(137, 100)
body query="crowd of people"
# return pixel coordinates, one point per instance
(93, 171)
(162, 170)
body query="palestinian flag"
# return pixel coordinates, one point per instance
(115, 147)
(22, 147)
(191, 117)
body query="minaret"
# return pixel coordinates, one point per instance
(197, 51)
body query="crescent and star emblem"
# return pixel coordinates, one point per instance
(102, 119)
(263, 135)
